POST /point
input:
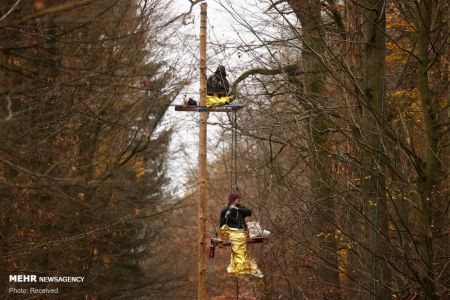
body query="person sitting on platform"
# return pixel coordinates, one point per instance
(232, 228)
(218, 88)
(218, 84)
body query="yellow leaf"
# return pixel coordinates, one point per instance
(106, 260)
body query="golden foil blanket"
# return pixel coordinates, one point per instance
(241, 263)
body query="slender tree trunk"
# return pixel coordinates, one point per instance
(373, 181)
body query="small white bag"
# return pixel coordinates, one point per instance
(255, 230)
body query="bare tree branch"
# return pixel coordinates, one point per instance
(289, 69)
(50, 11)
(10, 10)
(184, 15)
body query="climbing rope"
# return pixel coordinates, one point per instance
(233, 172)
(234, 153)
(237, 288)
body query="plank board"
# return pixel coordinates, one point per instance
(223, 108)
(220, 243)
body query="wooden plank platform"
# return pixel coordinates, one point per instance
(220, 243)
(194, 108)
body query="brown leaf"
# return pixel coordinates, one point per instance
(38, 5)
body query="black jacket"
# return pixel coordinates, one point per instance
(218, 83)
(235, 217)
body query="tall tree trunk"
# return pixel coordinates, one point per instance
(314, 48)
(356, 224)
(374, 185)
(430, 113)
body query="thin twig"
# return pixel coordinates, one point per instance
(10, 10)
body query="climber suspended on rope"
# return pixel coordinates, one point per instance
(218, 88)
(232, 228)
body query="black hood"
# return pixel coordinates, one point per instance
(221, 71)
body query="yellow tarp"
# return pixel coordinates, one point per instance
(241, 263)
(213, 101)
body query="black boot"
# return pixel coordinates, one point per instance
(192, 102)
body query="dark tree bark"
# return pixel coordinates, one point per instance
(321, 180)
(428, 177)
(373, 120)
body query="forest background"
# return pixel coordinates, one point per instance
(343, 154)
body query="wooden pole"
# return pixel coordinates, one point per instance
(201, 253)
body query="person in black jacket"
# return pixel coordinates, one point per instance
(232, 223)
(234, 214)
(218, 84)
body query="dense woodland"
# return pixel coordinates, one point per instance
(343, 152)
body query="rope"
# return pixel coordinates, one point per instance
(231, 157)
(235, 149)
(234, 153)
(233, 171)
(237, 288)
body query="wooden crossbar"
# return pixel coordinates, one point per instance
(194, 108)
(221, 243)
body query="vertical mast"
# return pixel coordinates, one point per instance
(202, 161)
